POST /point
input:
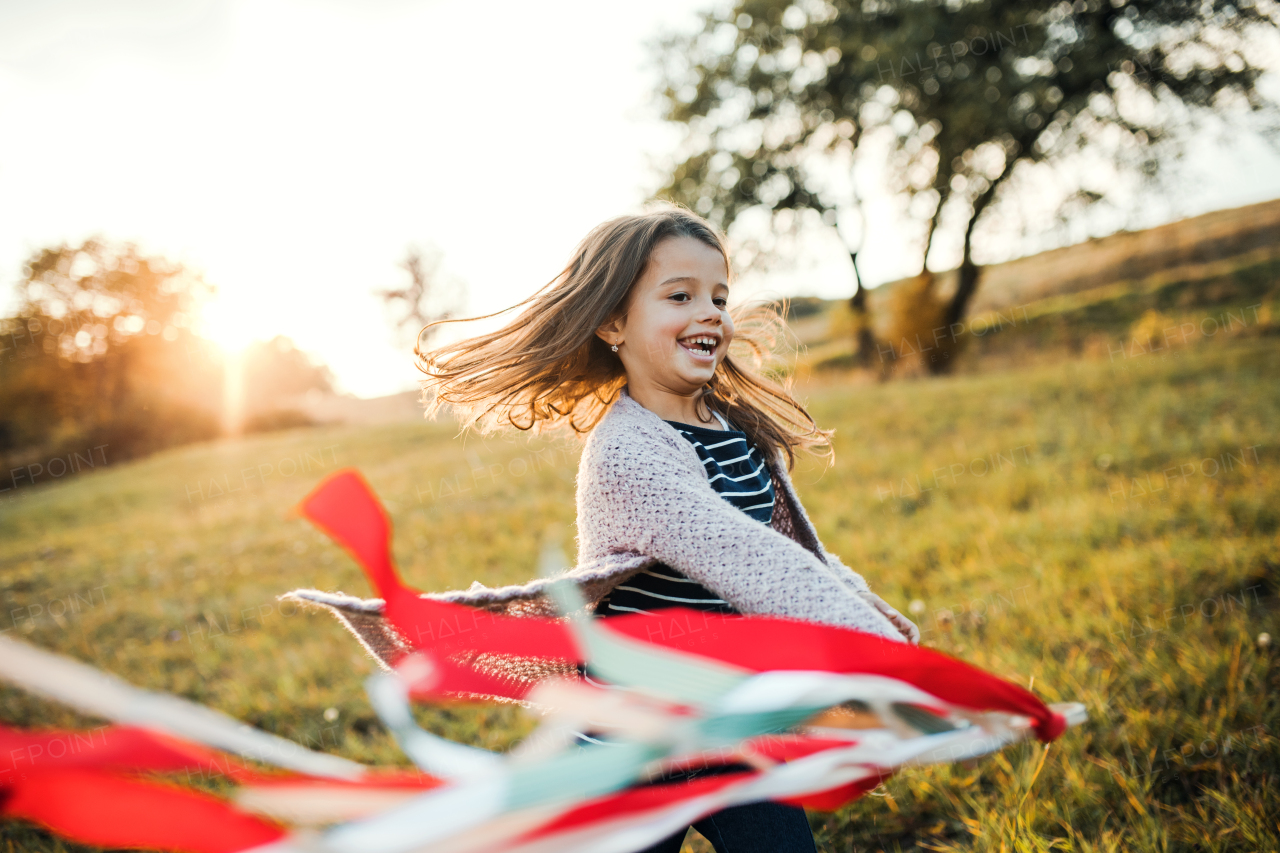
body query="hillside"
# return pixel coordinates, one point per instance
(1160, 314)
(1194, 247)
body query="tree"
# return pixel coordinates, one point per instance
(779, 97)
(276, 371)
(428, 298)
(864, 339)
(100, 353)
(88, 298)
(100, 350)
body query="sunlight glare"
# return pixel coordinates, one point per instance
(223, 322)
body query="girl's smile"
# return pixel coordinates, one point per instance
(703, 346)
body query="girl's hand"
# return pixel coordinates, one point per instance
(902, 623)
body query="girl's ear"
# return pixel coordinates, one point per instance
(610, 331)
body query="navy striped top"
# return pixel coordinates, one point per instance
(737, 471)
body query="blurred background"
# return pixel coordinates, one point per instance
(1028, 253)
(217, 209)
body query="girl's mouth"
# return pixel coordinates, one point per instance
(701, 346)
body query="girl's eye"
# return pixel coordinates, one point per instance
(720, 301)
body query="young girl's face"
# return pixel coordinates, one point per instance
(676, 328)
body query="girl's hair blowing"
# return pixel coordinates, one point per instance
(547, 367)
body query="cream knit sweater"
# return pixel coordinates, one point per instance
(643, 497)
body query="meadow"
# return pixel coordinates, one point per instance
(1101, 529)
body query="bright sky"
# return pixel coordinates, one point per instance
(293, 151)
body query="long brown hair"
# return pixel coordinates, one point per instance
(548, 368)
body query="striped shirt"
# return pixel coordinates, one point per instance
(737, 471)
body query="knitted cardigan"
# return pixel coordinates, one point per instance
(643, 497)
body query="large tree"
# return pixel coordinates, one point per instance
(101, 350)
(955, 95)
(101, 353)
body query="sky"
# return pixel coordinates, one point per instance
(292, 153)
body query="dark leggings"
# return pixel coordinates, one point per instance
(765, 827)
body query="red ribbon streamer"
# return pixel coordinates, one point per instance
(345, 507)
(107, 809)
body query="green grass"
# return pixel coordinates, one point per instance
(1057, 564)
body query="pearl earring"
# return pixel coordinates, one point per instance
(614, 347)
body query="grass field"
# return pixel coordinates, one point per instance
(1103, 531)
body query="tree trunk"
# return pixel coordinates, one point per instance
(969, 274)
(864, 343)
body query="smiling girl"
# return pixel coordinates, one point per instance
(683, 493)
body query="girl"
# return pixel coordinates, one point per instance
(683, 493)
